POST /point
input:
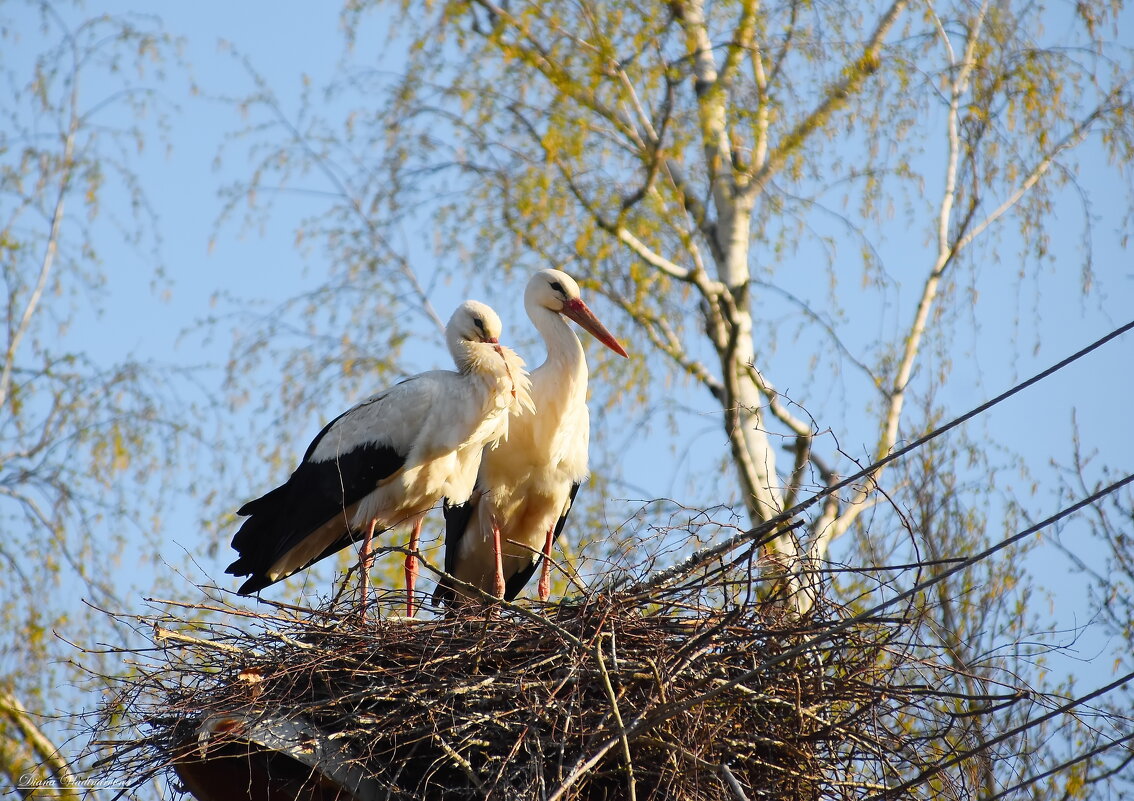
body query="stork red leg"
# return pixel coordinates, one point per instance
(498, 587)
(545, 570)
(411, 565)
(365, 558)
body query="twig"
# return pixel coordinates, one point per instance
(733, 784)
(629, 763)
(161, 634)
(460, 761)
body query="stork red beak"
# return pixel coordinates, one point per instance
(496, 346)
(578, 311)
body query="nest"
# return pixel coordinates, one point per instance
(610, 697)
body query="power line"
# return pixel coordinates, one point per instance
(964, 564)
(869, 614)
(770, 529)
(929, 773)
(1062, 766)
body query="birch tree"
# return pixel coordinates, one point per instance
(84, 441)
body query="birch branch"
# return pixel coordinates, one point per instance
(665, 339)
(41, 746)
(945, 254)
(834, 97)
(67, 166)
(536, 56)
(1074, 137)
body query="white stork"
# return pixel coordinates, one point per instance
(527, 484)
(388, 460)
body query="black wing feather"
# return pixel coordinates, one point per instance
(457, 517)
(317, 491)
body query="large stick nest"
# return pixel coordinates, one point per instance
(610, 697)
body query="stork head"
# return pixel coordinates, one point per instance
(473, 335)
(474, 321)
(474, 328)
(558, 292)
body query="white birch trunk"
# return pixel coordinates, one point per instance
(752, 452)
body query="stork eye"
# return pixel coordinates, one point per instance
(558, 287)
(479, 323)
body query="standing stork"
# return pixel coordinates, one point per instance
(527, 484)
(388, 460)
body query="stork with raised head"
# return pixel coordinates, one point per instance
(527, 484)
(388, 460)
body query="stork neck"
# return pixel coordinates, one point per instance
(477, 359)
(463, 355)
(563, 346)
